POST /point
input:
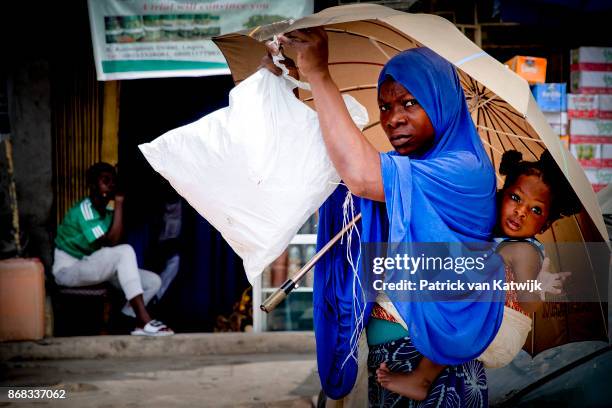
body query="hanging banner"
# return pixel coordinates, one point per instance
(172, 38)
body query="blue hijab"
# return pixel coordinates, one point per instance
(446, 194)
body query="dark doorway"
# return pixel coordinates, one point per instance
(210, 278)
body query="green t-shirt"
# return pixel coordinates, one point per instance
(81, 228)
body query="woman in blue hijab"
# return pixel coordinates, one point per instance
(437, 186)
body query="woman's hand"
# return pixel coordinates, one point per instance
(268, 63)
(355, 159)
(310, 45)
(119, 198)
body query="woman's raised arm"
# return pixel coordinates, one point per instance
(355, 159)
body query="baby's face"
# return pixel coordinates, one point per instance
(525, 207)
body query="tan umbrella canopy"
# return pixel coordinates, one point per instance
(363, 37)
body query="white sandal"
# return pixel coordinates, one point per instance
(154, 328)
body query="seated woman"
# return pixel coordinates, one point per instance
(88, 250)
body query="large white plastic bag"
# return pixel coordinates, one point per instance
(256, 170)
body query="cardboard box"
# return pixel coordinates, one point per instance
(589, 106)
(591, 59)
(565, 141)
(556, 118)
(606, 154)
(533, 69)
(551, 97)
(591, 156)
(22, 299)
(599, 178)
(586, 151)
(559, 130)
(591, 82)
(591, 131)
(558, 122)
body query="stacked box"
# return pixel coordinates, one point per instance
(558, 122)
(590, 112)
(591, 70)
(591, 59)
(582, 106)
(533, 69)
(591, 82)
(552, 100)
(591, 142)
(551, 97)
(599, 178)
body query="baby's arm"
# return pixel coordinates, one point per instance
(524, 259)
(551, 282)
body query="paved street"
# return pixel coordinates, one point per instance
(185, 370)
(246, 380)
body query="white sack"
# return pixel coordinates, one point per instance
(256, 170)
(508, 341)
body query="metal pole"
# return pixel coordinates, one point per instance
(285, 289)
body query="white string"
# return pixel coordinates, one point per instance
(279, 57)
(348, 214)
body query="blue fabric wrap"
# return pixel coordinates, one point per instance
(334, 318)
(446, 194)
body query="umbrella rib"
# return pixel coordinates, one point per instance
(256, 29)
(483, 101)
(475, 85)
(340, 31)
(514, 146)
(378, 64)
(503, 105)
(478, 112)
(379, 48)
(511, 134)
(485, 117)
(347, 89)
(491, 119)
(514, 123)
(497, 124)
(491, 147)
(486, 114)
(395, 31)
(493, 123)
(473, 90)
(492, 159)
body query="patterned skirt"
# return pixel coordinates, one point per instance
(464, 385)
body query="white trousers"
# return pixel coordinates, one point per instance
(116, 265)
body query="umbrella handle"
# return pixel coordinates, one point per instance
(287, 287)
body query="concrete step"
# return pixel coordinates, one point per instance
(93, 347)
